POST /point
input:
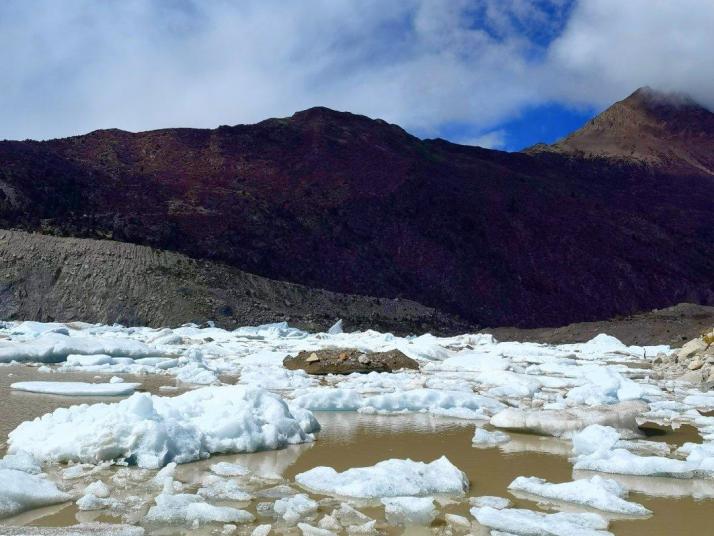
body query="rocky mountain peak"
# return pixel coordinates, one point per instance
(666, 130)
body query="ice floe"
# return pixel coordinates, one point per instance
(559, 422)
(523, 522)
(596, 492)
(193, 510)
(55, 347)
(409, 510)
(152, 431)
(485, 438)
(450, 403)
(22, 491)
(292, 509)
(223, 489)
(596, 449)
(390, 478)
(77, 388)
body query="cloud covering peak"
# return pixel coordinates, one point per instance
(70, 67)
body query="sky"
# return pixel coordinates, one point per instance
(496, 73)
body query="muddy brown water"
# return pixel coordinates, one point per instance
(353, 440)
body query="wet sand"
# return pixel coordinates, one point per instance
(352, 440)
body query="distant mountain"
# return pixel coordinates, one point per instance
(342, 202)
(666, 130)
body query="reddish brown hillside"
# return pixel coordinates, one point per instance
(343, 202)
(668, 131)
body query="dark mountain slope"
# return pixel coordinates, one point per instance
(342, 202)
(51, 278)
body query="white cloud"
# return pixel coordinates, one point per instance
(73, 66)
(611, 47)
(495, 139)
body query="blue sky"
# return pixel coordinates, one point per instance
(498, 73)
(545, 123)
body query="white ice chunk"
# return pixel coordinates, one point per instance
(96, 497)
(261, 530)
(434, 401)
(529, 523)
(624, 462)
(165, 475)
(98, 489)
(597, 492)
(77, 388)
(484, 438)
(191, 509)
(292, 509)
(91, 360)
(596, 450)
(346, 516)
(229, 469)
(409, 510)
(703, 401)
(276, 378)
(390, 478)
(55, 347)
(20, 491)
(566, 421)
(309, 530)
(594, 439)
(457, 521)
(217, 488)
(152, 431)
(336, 328)
(499, 503)
(473, 362)
(328, 399)
(366, 529)
(605, 385)
(21, 461)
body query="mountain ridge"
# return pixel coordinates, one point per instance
(343, 202)
(666, 130)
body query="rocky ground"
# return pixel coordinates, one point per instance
(49, 278)
(693, 362)
(672, 325)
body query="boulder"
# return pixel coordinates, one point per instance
(691, 348)
(349, 360)
(695, 364)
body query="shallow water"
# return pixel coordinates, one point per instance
(352, 439)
